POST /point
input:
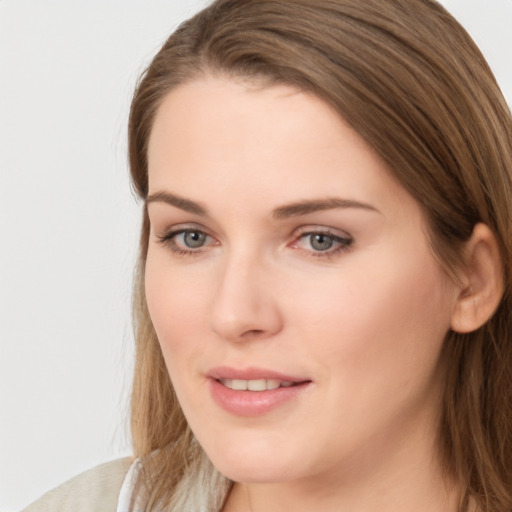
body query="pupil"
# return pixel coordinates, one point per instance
(321, 242)
(194, 239)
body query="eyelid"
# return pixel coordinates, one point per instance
(319, 229)
(177, 228)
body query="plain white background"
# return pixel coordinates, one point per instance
(69, 222)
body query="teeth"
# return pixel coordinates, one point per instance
(273, 384)
(254, 385)
(257, 385)
(239, 385)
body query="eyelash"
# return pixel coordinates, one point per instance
(168, 240)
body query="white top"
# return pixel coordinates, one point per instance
(127, 496)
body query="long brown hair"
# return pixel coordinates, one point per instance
(410, 81)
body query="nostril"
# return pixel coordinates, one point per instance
(253, 333)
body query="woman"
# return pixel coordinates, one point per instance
(323, 304)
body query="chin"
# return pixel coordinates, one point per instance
(249, 472)
(256, 464)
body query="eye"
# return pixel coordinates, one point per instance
(184, 241)
(322, 243)
(192, 239)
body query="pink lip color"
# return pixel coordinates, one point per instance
(252, 403)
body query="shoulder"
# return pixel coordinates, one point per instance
(97, 489)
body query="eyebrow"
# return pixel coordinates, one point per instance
(282, 212)
(177, 201)
(315, 205)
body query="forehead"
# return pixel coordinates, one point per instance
(228, 116)
(220, 135)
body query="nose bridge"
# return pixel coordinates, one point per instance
(244, 306)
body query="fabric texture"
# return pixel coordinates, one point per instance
(96, 490)
(130, 498)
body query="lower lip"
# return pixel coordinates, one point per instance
(253, 403)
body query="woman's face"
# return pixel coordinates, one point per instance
(284, 258)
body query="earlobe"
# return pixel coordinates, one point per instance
(483, 282)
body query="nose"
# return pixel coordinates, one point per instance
(245, 306)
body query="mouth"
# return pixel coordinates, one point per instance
(254, 392)
(256, 384)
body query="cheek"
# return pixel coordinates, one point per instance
(176, 306)
(176, 311)
(378, 318)
(374, 338)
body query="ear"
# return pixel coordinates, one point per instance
(482, 281)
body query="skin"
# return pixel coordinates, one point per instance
(364, 321)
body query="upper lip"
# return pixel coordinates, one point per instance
(252, 373)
